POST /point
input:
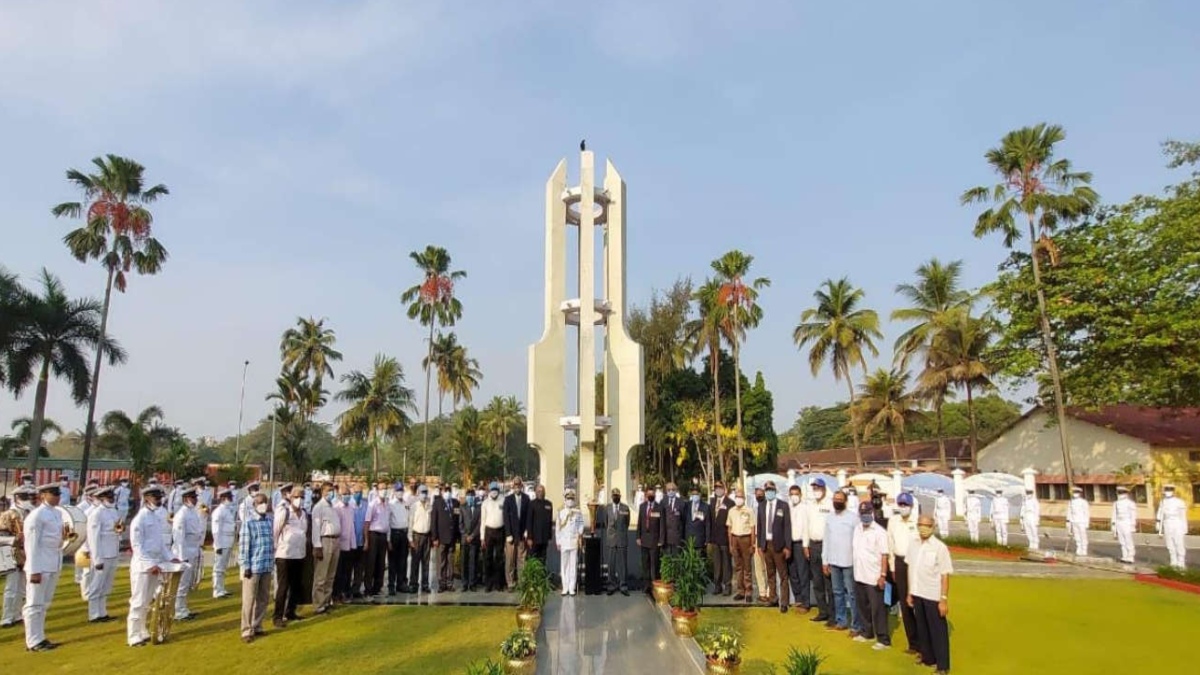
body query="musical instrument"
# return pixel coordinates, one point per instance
(83, 558)
(8, 554)
(162, 608)
(75, 524)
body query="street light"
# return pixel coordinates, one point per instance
(237, 446)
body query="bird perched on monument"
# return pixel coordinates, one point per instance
(583, 145)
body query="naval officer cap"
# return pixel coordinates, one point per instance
(226, 492)
(48, 487)
(152, 490)
(188, 492)
(286, 487)
(26, 491)
(252, 485)
(106, 491)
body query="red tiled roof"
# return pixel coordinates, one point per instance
(956, 448)
(1162, 427)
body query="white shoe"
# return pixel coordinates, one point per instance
(859, 638)
(879, 646)
(564, 594)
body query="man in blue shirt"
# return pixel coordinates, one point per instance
(839, 564)
(359, 559)
(256, 556)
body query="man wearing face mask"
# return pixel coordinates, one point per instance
(541, 524)
(256, 557)
(326, 531)
(568, 528)
(379, 527)
(187, 532)
(774, 528)
(468, 525)
(346, 544)
(1171, 523)
(397, 564)
(446, 513)
(12, 523)
(817, 511)
(491, 531)
(839, 563)
(942, 509)
(902, 535)
(121, 499)
(929, 573)
(1031, 514)
(358, 561)
(718, 537)
(651, 532)
(870, 546)
(672, 521)
(1000, 516)
(420, 525)
(695, 518)
(613, 520)
(1079, 516)
(516, 532)
(1124, 522)
(223, 527)
(291, 532)
(150, 538)
(741, 543)
(44, 533)
(246, 507)
(798, 569)
(759, 565)
(974, 514)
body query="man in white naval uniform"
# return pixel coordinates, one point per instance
(121, 498)
(187, 533)
(974, 514)
(1031, 515)
(1172, 525)
(943, 508)
(1000, 511)
(1124, 522)
(149, 537)
(224, 525)
(44, 534)
(104, 527)
(12, 523)
(1079, 516)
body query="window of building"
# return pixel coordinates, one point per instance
(1106, 493)
(1043, 491)
(1139, 494)
(1194, 456)
(1089, 492)
(1061, 492)
(1195, 493)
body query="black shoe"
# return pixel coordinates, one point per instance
(391, 592)
(625, 592)
(610, 591)
(739, 597)
(783, 609)
(143, 643)
(819, 619)
(294, 617)
(43, 646)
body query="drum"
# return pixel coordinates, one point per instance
(76, 523)
(8, 554)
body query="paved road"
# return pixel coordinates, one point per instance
(600, 634)
(1150, 548)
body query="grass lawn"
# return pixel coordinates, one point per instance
(1003, 626)
(373, 639)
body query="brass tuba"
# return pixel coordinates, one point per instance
(162, 608)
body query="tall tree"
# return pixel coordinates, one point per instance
(307, 348)
(463, 377)
(1048, 192)
(935, 291)
(55, 339)
(467, 442)
(117, 233)
(379, 406)
(432, 303)
(957, 358)
(18, 442)
(502, 415)
(886, 404)
(705, 333)
(11, 307)
(738, 296)
(134, 437)
(839, 331)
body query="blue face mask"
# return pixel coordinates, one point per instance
(695, 499)
(770, 495)
(357, 497)
(345, 499)
(330, 497)
(470, 500)
(866, 518)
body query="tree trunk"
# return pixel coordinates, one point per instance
(88, 430)
(715, 358)
(39, 414)
(425, 430)
(858, 460)
(1051, 359)
(895, 456)
(974, 433)
(737, 393)
(941, 436)
(374, 456)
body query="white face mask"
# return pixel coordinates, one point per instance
(740, 501)
(260, 509)
(569, 502)
(297, 501)
(1168, 494)
(794, 499)
(905, 510)
(494, 494)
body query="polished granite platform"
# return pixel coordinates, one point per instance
(591, 635)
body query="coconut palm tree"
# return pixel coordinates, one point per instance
(134, 437)
(1047, 192)
(18, 442)
(738, 298)
(935, 292)
(500, 417)
(307, 349)
(956, 359)
(467, 441)
(11, 307)
(432, 303)
(379, 405)
(55, 339)
(705, 333)
(840, 332)
(886, 403)
(116, 232)
(464, 377)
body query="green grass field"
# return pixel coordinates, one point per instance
(1001, 626)
(363, 639)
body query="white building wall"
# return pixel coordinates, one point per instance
(1034, 444)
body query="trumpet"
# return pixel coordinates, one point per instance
(162, 609)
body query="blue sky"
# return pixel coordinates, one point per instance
(309, 146)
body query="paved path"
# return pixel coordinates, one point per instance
(597, 634)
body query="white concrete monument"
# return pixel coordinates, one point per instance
(597, 302)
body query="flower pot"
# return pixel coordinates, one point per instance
(662, 592)
(684, 623)
(529, 618)
(523, 666)
(723, 667)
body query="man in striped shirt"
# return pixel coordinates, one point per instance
(256, 556)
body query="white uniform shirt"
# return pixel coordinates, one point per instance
(103, 540)
(799, 520)
(224, 525)
(818, 511)
(943, 507)
(568, 528)
(148, 537)
(1000, 509)
(870, 545)
(291, 532)
(974, 507)
(175, 501)
(902, 532)
(1124, 512)
(928, 560)
(187, 532)
(121, 498)
(1031, 510)
(852, 502)
(246, 509)
(64, 494)
(1172, 513)
(43, 529)
(491, 514)
(1078, 511)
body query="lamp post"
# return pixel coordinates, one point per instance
(237, 446)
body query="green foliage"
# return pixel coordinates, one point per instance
(1188, 576)
(689, 578)
(720, 643)
(379, 406)
(521, 644)
(960, 541)
(806, 662)
(533, 584)
(235, 472)
(668, 568)
(486, 667)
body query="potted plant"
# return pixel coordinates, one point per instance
(519, 651)
(690, 581)
(665, 584)
(533, 586)
(722, 647)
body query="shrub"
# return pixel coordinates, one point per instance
(1186, 576)
(691, 579)
(807, 662)
(488, 667)
(721, 643)
(521, 644)
(533, 584)
(965, 542)
(668, 568)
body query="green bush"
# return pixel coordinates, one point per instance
(533, 584)
(690, 579)
(807, 662)
(668, 568)
(488, 667)
(521, 644)
(721, 643)
(1186, 576)
(965, 542)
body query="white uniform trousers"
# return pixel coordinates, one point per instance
(1001, 531)
(14, 597)
(197, 569)
(100, 583)
(1125, 538)
(1031, 532)
(185, 587)
(973, 529)
(1079, 534)
(220, 563)
(943, 526)
(37, 601)
(143, 586)
(1173, 533)
(81, 575)
(570, 569)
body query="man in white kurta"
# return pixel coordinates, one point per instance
(44, 534)
(1079, 516)
(149, 537)
(1124, 522)
(943, 508)
(1172, 525)
(1031, 515)
(973, 515)
(103, 537)
(224, 527)
(187, 534)
(1000, 516)
(568, 528)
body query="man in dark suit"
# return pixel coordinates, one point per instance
(443, 529)
(695, 521)
(651, 533)
(774, 538)
(516, 531)
(541, 524)
(613, 520)
(471, 539)
(673, 508)
(718, 537)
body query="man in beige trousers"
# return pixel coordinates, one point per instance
(326, 529)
